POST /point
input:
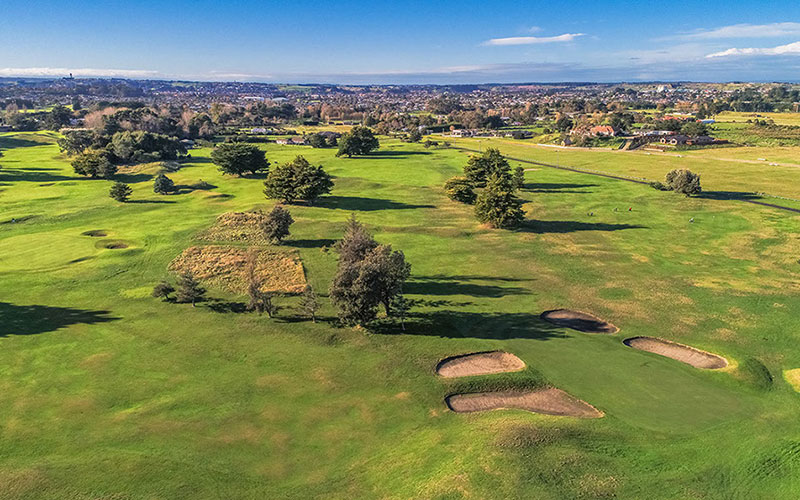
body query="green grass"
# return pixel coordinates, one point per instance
(106, 392)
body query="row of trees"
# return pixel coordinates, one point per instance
(495, 201)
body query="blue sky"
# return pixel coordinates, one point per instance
(403, 42)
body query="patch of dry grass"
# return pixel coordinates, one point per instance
(236, 226)
(227, 266)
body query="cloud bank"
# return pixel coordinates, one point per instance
(780, 50)
(533, 40)
(773, 30)
(79, 72)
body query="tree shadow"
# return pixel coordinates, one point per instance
(35, 319)
(25, 175)
(226, 306)
(19, 220)
(15, 142)
(727, 195)
(315, 243)
(563, 226)
(460, 324)
(556, 187)
(358, 203)
(132, 178)
(455, 285)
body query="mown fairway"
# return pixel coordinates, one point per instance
(106, 392)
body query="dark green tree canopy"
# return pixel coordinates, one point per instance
(480, 167)
(496, 204)
(276, 225)
(683, 181)
(120, 192)
(94, 163)
(460, 189)
(239, 159)
(163, 184)
(358, 141)
(297, 180)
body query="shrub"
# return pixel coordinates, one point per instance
(683, 181)
(163, 184)
(120, 192)
(163, 290)
(460, 189)
(658, 185)
(297, 180)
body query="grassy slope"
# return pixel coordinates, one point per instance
(105, 391)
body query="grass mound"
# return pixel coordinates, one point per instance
(755, 374)
(549, 401)
(581, 321)
(680, 352)
(226, 266)
(479, 363)
(236, 226)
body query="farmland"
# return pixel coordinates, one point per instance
(108, 392)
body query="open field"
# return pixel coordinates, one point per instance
(106, 392)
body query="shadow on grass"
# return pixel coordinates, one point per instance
(357, 203)
(14, 142)
(459, 324)
(565, 226)
(149, 201)
(132, 178)
(457, 285)
(727, 195)
(34, 319)
(226, 306)
(25, 175)
(316, 243)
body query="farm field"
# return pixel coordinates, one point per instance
(106, 392)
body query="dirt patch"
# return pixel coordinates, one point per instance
(95, 233)
(793, 378)
(581, 321)
(227, 266)
(680, 352)
(237, 226)
(479, 363)
(546, 401)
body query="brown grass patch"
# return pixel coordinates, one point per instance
(236, 226)
(281, 271)
(479, 363)
(546, 401)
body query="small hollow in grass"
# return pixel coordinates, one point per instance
(479, 363)
(112, 244)
(95, 233)
(577, 320)
(550, 401)
(679, 352)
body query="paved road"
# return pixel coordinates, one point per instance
(621, 178)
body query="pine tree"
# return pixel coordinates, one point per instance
(309, 304)
(163, 184)
(120, 192)
(189, 290)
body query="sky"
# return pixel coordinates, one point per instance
(384, 42)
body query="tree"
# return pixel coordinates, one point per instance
(460, 189)
(297, 180)
(683, 181)
(518, 178)
(415, 135)
(276, 225)
(189, 290)
(359, 141)
(401, 308)
(260, 300)
(163, 184)
(94, 163)
(238, 159)
(163, 290)
(58, 117)
(120, 192)
(317, 141)
(76, 141)
(694, 129)
(309, 304)
(367, 276)
(564, 124)
(497, 205)
(480, 167)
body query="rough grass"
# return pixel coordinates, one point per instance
(106, 392)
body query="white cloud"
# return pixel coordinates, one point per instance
(531, 40)
(79, 72)
(745, 31)
(781, 50)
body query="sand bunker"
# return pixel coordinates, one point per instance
(581, 321)
(679, 352)
(547, 401)
(227, 266)
(96, 233)
(115, 245)
(479, 363)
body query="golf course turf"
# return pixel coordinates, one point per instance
(107, 392)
